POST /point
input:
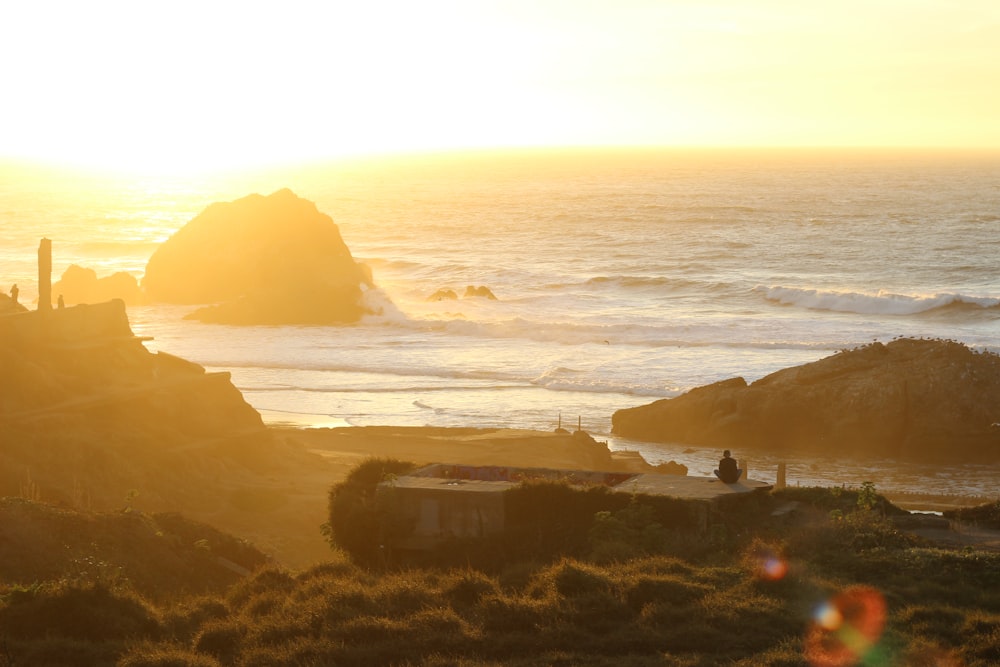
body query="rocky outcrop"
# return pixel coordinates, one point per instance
(481, 291)
(260, 260)
(89, 417)
(443, 294)
(9, 306)
(81, 285)
(910, 400)
(83, 365)
(471, 292)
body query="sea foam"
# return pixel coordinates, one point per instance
(880, 303)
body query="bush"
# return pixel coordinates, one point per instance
(645, 589)
(221, 638)
(185, 618)
(151, 655)
(358, 522)
(987, 516)
(91, 613)
(628, 533)
(468, 587)
(269, 581)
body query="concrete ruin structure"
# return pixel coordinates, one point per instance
(453, 501)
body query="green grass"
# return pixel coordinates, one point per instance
(750, 599)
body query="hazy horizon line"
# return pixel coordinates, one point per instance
(309, 162)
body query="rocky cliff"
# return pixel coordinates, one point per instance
(85, 361)
(910, 400)
(260, 260)
(87, 412)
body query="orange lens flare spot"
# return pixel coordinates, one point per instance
(767, 564)
(846, 627)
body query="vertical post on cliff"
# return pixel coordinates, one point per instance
(45, 275)
(780, 482)
(743, 467)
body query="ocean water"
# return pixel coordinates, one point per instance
(621, 277)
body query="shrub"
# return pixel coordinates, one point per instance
(468, 587)
(627, 533)
(221, 638)
(91, 613)
(184, 619)
(403, 594)
(662, 589)
(152, 655)
(301, 652)
(268, 581)
(358, 522)
(987, 515)
(569, 578)
(508, 615)
(548, 519)
(66, 651)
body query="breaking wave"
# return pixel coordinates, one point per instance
(880, 303)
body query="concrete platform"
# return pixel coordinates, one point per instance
(495, 479)
(687, 487)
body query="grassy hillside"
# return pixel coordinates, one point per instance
(159, 556)
(831, 583)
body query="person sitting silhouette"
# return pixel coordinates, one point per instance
(728, 472)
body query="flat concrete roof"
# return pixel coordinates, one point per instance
(686, 486)
(651, 484)
(446, 484)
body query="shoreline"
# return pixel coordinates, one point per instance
(695, 457)
(526, 447)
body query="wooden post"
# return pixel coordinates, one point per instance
(743, 466)
(780, 482)
(45, 275)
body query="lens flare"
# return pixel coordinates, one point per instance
(768, 564)
(846, 627)
(774, 568)
(828, 617)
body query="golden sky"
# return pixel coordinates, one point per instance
(183, 85)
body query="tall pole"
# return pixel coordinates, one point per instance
(45, 275)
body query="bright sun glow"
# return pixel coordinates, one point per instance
(183, 86)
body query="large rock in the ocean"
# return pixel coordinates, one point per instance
(910, 400)
(261, 260)
(81, 285)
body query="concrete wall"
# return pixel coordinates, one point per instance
(440, 514)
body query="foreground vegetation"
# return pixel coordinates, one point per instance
(831, 583)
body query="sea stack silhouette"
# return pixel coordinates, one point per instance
(272, 259)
